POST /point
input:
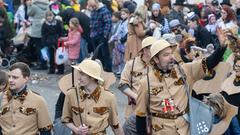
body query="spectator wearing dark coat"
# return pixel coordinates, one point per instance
(203, 37)
(52, 29)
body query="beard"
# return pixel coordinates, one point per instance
(169, 66)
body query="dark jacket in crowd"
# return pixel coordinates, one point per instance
(203, 37)
(51, 31)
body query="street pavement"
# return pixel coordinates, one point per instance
(47, 86)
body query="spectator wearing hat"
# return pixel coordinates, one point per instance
(177, 28)
(159, 19)
(212, 28)
(212, 24)
(89, 109)
(215, 8)
(203, 37)
(226, 3)
(129, 4)
(177, 12)
(137, 31)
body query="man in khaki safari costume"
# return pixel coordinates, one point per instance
(168, 99)
(22, 111)
(133, 71)
(89, 109)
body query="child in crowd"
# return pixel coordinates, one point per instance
(212, 24)
(20, 17)
(118, 38)
(52, 29)
(72, 42)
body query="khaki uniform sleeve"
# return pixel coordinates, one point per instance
(113, 115)
(142, 100)
(126, 74)
(194, 71)
(66, 114)
(44, 120)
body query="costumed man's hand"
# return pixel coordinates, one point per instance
(82, 130)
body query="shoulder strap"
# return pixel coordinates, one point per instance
(149, 115)
(131, 72)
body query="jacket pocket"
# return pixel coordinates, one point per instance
(77, 110)
(27, 111)
(4, 110)
(100, 110)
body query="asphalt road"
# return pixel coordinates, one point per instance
(47, 86)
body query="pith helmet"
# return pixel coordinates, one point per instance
(91, 68)
(158, 46)
(148, 41)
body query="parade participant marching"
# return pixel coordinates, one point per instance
(133, 71)
(88, 108)
(231, 86)
(22, 111)
(162, 94)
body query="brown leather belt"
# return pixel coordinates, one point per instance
(170, 116)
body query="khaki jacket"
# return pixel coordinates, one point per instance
(25, 115)
(135, 70)
(98, 110)
(168, 86)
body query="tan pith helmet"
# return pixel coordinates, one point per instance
(91, 68)
(158, 46)
(148, 41)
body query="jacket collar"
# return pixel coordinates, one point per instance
(21, 95)
(95, 95)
